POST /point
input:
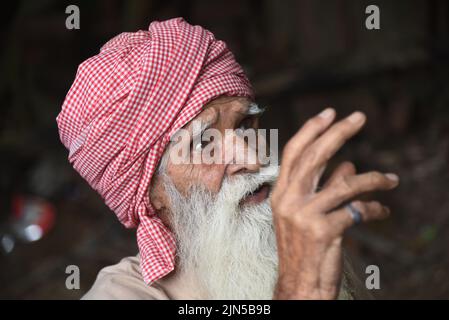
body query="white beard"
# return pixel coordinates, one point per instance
(230, 250)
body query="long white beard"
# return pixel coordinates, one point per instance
(230, 250)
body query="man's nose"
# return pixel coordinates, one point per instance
(243, 157)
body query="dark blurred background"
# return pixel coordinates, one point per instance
(301, 57)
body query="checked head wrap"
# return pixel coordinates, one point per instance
(123, 107)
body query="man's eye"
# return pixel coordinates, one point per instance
(198, 146)
(246, 124)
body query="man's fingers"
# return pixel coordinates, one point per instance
(332, 140)
(342, 219)
(344, 169)
(306, 135)
(347, 187)
(322, 149)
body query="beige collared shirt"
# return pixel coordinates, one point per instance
(123, 281)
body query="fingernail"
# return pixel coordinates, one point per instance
(392, 176)
(356, 117)
(327, 113)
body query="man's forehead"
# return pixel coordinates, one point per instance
(222, 106)
(233, 102)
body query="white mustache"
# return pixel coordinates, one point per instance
(236, 188)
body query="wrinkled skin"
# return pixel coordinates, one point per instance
(309, 224)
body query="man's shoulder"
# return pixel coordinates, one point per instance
(123, 281)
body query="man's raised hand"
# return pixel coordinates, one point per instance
(310, 224)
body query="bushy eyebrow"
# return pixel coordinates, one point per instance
(254, 109)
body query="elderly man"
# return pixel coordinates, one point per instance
(209, 230)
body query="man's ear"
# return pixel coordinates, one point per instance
(158, 204)
(159, 200)
(157, 195)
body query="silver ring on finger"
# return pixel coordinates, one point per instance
(355, 214)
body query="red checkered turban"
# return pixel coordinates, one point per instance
(126, 103)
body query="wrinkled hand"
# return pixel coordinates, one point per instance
(310, 224)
